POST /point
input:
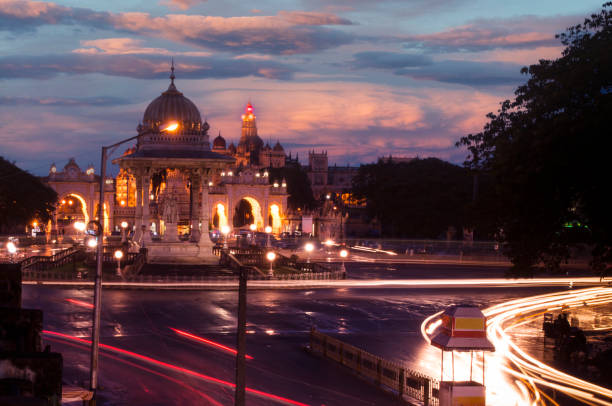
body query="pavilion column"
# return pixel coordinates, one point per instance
(205, 243)
(138, 210)
(146, 222)
(196, 183)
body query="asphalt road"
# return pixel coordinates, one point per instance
(383, 321)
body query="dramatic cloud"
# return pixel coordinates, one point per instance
(181, 4)
(451, 71)
(140, 67)
(389, 60)
(486, 34)
(124, 46)
(467, 73)
(59, 101)
(287, 32)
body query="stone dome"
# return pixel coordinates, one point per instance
(171, 106)
(219, 142)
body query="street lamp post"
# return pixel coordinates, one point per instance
(329, 243)
(12, 250)
(118, 256)
(309, 247)
(80, 227)
(253, 228)
(95, 333)
(268, 230)
(343, 255)
(225, 231)
(271, 256)
(124, 225)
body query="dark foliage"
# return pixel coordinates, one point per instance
(417, 199)
(23, 198)
(547, 152)
(298, 186)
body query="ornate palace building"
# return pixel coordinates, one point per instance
(173, 187)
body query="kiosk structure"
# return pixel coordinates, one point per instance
(464, 329)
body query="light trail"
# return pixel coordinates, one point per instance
(141, 367)
(355, 283)
(80, 303)
(533, 374)
(206, 341)
(176, 368)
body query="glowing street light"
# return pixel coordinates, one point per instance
(252, 227)
(343, 255)
(92, 243)
(271, 256)
(80, 226)
(124, 225)
(12, 249)
(268, 230)
(225, 231)
(118, 256)
(308, 247)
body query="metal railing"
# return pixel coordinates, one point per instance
(392, 375)
(50, 262)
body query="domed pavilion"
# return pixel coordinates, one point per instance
(171, 167)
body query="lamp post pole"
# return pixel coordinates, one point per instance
(95, 333)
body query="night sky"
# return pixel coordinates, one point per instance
(358, 78)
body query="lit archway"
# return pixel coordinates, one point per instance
(254, 214)
(275, 218)
(68, 207)
(220, 217)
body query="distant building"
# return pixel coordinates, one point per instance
(251, 151)
(326, 179)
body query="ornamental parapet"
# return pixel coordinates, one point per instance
(216, 190)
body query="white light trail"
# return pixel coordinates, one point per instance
(530, 375)
(337, 283)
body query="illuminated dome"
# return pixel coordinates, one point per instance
(172, 106)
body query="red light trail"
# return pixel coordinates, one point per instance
(206, 341)
(80, 303)
(176, 368)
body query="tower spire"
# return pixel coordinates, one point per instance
(172, 72)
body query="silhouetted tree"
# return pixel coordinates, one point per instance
(23, 198)
(416, 199)
(548, 150)
(298, 186)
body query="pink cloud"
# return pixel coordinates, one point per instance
(484, 34)
(127, 46)
(181, 4)
(287, 32)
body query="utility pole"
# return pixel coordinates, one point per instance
(241, 341)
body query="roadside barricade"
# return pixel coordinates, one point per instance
(392, 375)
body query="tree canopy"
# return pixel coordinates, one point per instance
(298, 186)
(547, 151)
(416, 199)
(23, 198)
